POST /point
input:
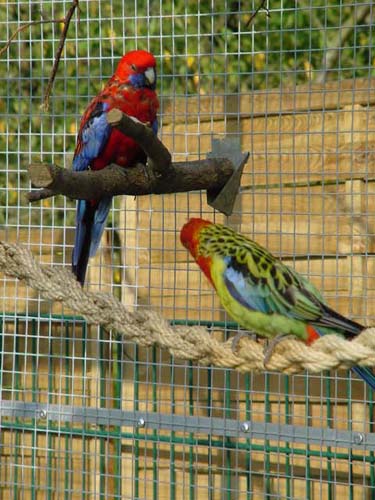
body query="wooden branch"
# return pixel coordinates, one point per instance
(261, 6)
(159, 158)
(211, 174)
(220, 174)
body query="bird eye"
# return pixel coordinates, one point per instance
(133, 67)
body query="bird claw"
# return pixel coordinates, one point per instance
(270, 347)
(236, 339)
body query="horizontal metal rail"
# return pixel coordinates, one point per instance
(190, 424)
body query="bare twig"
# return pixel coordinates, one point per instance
(24, 27)
(261, 6)
(66, 20)
(60, 48)
(332, 51)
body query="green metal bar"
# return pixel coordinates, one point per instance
(248, 455)
(330, 478)
(34, 386)
(191, 435)
(267, 460)
(349, 409)
(16, 397)
(84, 427)
(68, 459)
(209, 413)
(371, 429)
(307, 420)
(133, 435)
(228, 454)
(155, 433)
(117, 393)
(288, 471)
(172, 468)
(50, 400)
(102, 396)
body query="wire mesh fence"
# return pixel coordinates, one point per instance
(85, 415)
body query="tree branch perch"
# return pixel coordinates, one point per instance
(219, 174)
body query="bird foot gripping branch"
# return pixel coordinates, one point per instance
(219, 174)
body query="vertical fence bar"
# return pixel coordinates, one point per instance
(371, 429)
(17, 388)
(287, 444)
(103, 404)
(349, 414)
(191, 434)
(172, 469)
(327, 381)
(209, 407)
(136, 432)
(85, 478)
(267, 458)
(248, 441)
(227, 441)
(68, 458)
(155, 432)
(307, 422)
(50, 439)
(34, 386)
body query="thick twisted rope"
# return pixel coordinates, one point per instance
(146, 327)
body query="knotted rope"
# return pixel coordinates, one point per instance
(146, 327)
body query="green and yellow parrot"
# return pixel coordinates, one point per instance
(260, 292)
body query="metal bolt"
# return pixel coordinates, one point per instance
(245, 427)
(43, 414)
(358, 438)
(141, 422)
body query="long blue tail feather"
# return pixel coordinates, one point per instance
(366, 374)
(90, 224)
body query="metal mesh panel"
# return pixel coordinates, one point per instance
(84, 415)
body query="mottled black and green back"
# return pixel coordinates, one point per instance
(260, 282)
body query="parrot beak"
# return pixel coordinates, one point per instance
(150, 76)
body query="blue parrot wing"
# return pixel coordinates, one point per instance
(92, 137)
(155, 126)
(284, 292)
(99, 223)
(281, 292)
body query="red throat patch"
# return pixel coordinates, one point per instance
(312, 334)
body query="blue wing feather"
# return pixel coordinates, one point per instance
(93, 137)
(155, 126)
(99, 223)
(242, 291)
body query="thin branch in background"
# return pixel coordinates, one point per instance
(66, 20)
(24, 27)
(261, 6)
(332, 51)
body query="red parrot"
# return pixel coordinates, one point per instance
(132, 90)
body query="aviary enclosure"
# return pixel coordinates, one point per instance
(88, 413)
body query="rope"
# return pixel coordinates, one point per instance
(146, 327)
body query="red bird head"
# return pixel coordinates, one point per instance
(137, 67)
(190, 238)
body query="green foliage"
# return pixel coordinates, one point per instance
(201, 47)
